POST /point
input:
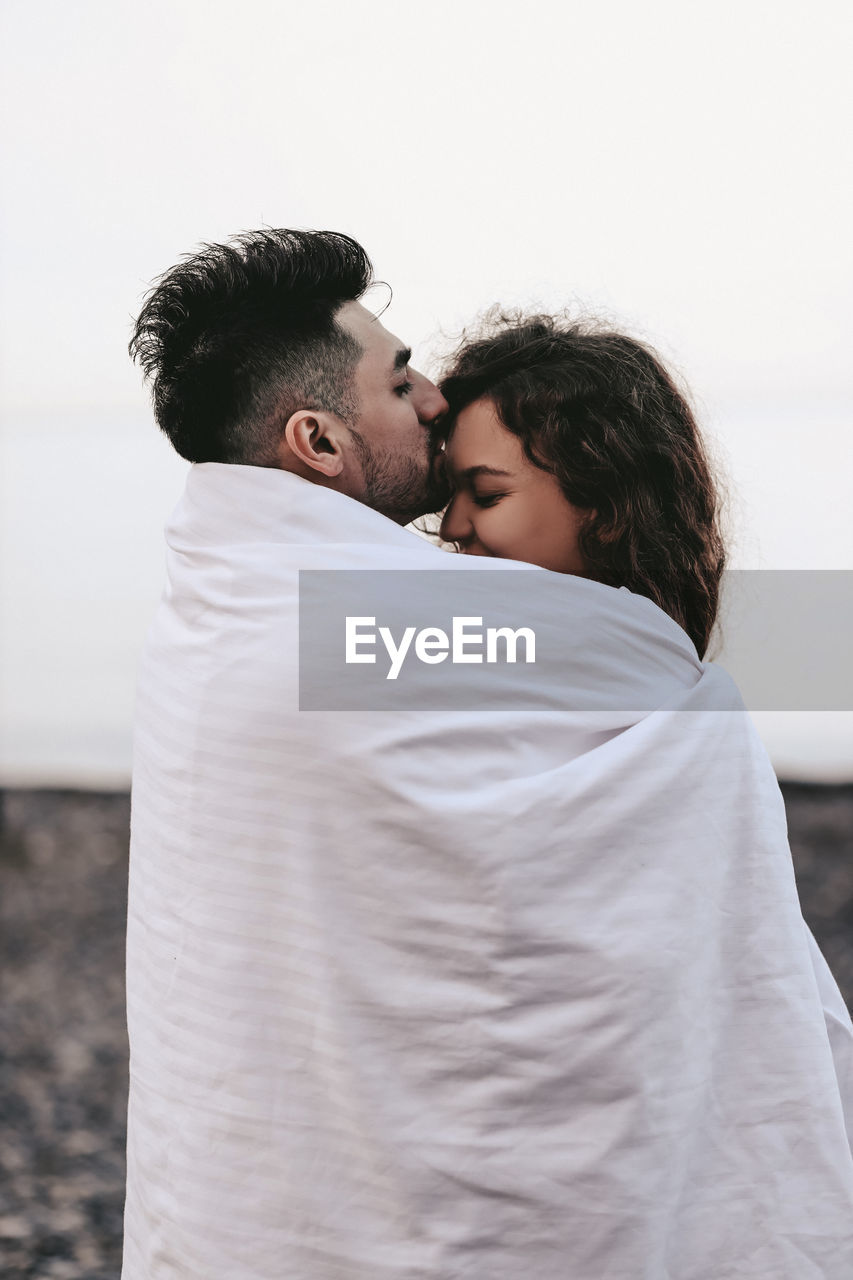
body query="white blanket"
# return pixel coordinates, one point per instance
(439, 994)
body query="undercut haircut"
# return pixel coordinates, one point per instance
(239, 336)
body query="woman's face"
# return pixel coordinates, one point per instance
(503, 505)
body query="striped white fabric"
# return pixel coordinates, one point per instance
(440, 995)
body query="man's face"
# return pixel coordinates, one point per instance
(395, 443)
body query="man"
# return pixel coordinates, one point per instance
(478, 979)
(260, 353)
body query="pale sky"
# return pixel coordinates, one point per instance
(684, 166)
(683, 169)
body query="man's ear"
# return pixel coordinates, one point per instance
(315, 439)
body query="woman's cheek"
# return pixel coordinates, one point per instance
(495, 531)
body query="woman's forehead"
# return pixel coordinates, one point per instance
(479, 438)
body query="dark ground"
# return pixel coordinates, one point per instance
(63, 1047)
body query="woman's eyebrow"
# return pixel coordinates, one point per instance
(470, 472)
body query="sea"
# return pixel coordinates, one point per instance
(85, 494)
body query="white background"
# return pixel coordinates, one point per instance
(681, 169)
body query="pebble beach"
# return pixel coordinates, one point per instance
(63, 1042)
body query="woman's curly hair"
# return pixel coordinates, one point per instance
(598, 410)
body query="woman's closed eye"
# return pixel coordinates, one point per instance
(487, 499)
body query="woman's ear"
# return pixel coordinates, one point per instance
(314, 439)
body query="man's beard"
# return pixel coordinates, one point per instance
(401, 488)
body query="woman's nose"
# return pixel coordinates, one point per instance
(455, 526)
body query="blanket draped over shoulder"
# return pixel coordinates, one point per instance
(487, 994)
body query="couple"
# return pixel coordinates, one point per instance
(262, 354)
(463, 990)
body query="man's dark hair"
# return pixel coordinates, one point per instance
(599, 411)
(239, 336)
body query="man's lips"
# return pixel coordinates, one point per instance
(439, 481)
(436, 442)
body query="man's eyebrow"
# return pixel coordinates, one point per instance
(401, 359)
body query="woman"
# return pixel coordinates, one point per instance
(571, 448)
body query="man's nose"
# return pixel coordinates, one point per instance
(455, 525)
(430, 403)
